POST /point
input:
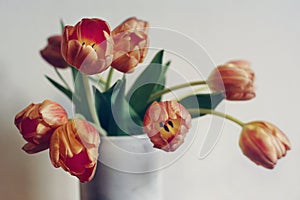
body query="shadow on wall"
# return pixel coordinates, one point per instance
(17, 172)
(13, 174)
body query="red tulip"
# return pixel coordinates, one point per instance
(74, 147)
(37, 123)
(166, 124)
(131, 44)
(88, 46)
(263, 143)
(235, 79)
(52, 52)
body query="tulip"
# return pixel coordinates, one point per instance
(37, 122)
(52, 53)
(88, 46)
(235, 79)
(131, 44)
(74, 147)
(245, 65)
(263, 143)
(166, 124)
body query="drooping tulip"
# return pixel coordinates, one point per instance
(235, 78)
(131, 44)
(167, 124)
(37, 122)
(52, 52)
(263, 143)
(74, 147)
(88, 46)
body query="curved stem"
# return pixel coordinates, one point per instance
(88, 95)
(167, 90)
(192, 93)
(109, 76)
(220, 114)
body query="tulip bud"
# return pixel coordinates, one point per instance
(88, 46)
(235, 79)
(166, 124)
(263, 143)
(37, 122)
(74, 147)
(131, 44)
(52, 53)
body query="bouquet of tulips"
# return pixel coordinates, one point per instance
(104, 109)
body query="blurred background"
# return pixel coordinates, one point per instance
(263, 32)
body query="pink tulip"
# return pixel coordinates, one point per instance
(166, 124)
(263, 143)
(131, 44)
(235, 78)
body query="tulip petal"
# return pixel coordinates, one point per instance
(166, 124)
(260, 143)
(87, 28)
(31, 148)
(74, 147)
(53, 113)
(236, 81)
(131, 40)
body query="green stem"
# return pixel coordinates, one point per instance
(109, 77)
(167, 90)
(192, 93)
(88, 94)
(220, 114)
(101, 80)
(62, 78)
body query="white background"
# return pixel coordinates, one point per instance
(264, 32)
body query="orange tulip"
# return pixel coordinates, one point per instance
(235, 79)
(37, 123)
(166, 124)
(52, 52)
(88, 46)
(131, 44)
(74, 147)
(245, 65)
(263, 143)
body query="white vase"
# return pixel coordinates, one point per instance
(126, 171)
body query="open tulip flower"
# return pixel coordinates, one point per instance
(235, 78)
(88, 46)
(74, 147)
(263, 143)
(166, 124)
(37, 122)
(131, 44)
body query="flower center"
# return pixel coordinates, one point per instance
(89, 44)
(169, 129)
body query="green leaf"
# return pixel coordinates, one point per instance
(150, 81)
(62, 25)
(64, 90)
(207, 101)
(80, 101)
(162, 80)
(114, 112)
(74, 72)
